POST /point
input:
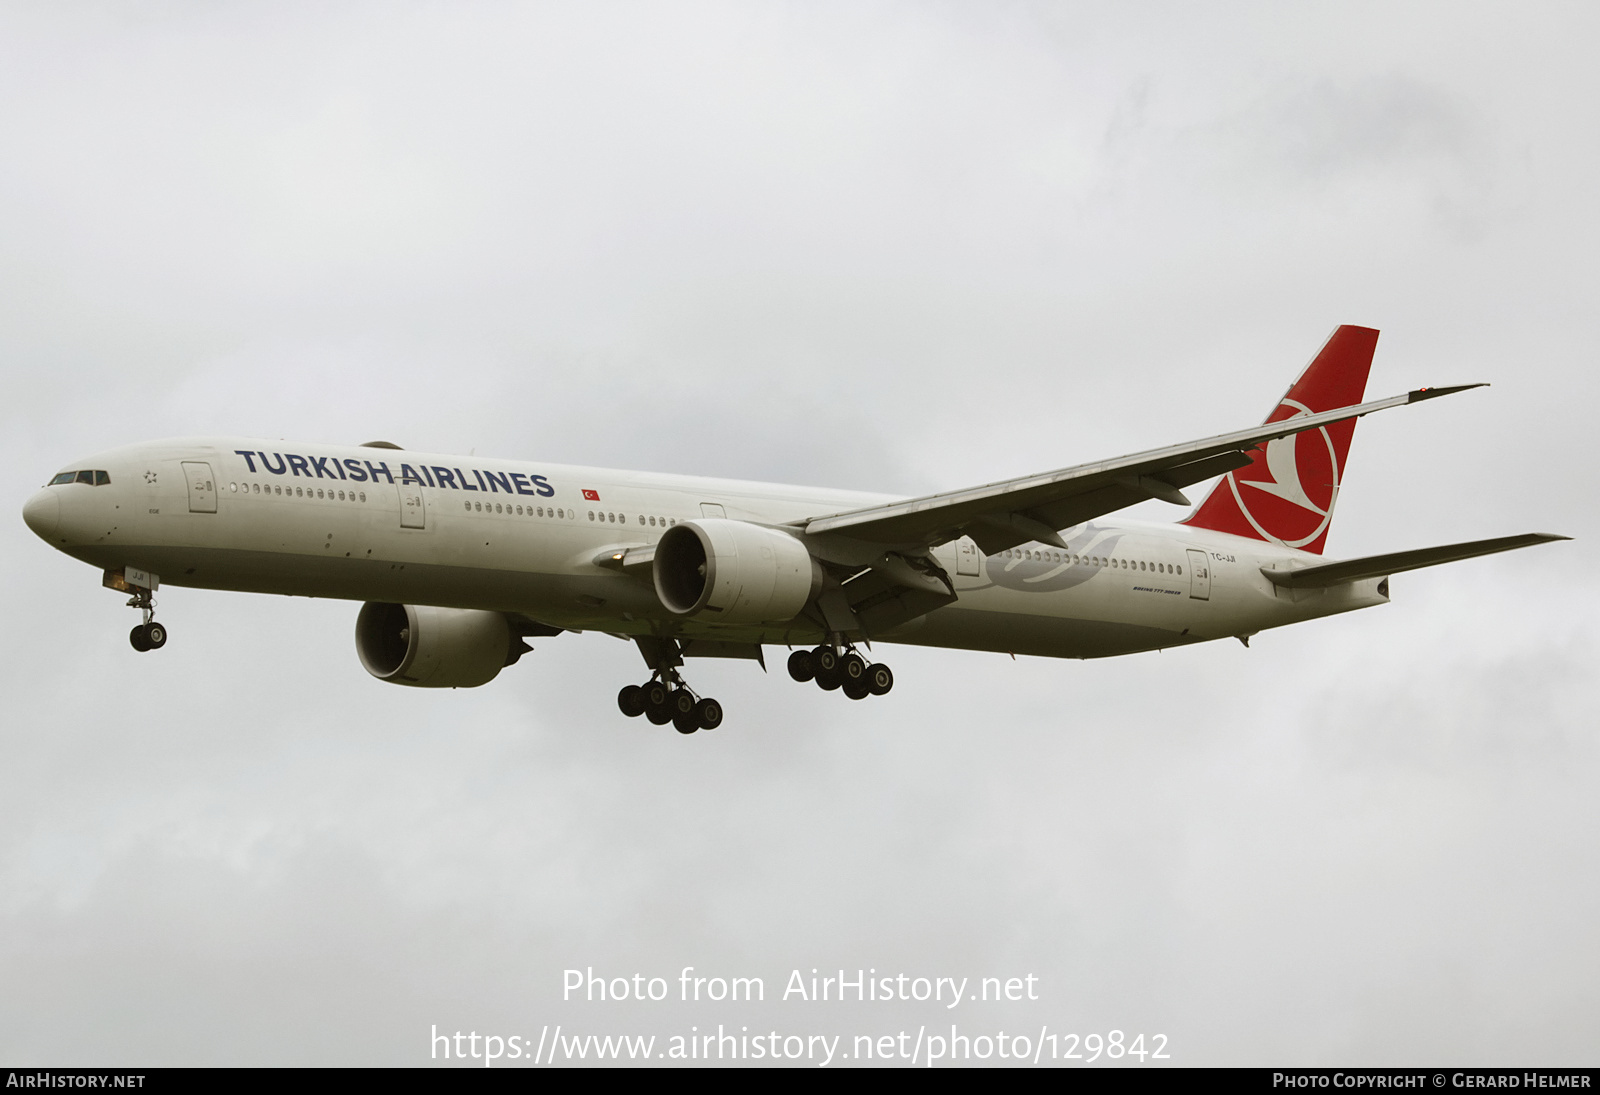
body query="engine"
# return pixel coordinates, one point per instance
(428, 647)
(734, 572)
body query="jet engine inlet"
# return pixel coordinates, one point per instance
(428, 647)
(734, 572)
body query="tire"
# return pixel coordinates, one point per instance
(630, 701)
(853, 667)
(155, 634)
(660, 716)
(824, 659)
(708, 713)
(138, 640)
(655, 695)
(801, 667)
(880, 679)
(829, 681)
(681, 702)
(857, 690)
(685, 722)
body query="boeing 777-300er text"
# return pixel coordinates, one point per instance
(459, 559)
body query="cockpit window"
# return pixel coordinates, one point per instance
(93, 478)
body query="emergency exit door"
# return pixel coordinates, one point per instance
(202, 486)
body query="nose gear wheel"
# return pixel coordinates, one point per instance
(148, 635)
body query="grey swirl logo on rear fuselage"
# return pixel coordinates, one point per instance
(1035, 568)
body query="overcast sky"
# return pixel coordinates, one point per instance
(882, 246)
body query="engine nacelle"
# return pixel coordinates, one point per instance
(734, 572)
(428, 647)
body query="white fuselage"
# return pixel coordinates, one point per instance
(387, 525)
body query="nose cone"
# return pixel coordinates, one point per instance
(43, 513)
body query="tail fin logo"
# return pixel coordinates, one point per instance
(1285, 495)
(1289, 491)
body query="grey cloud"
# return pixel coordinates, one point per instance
(886, 248)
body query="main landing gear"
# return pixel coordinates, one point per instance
(665, 698)
(149, 635)
(848, 672)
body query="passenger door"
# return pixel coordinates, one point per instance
(413, 511)
(1199, 575)
(202, 486)
(969, 560)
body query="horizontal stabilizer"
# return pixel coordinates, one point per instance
(1380, 566)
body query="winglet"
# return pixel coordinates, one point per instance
(1433, 393)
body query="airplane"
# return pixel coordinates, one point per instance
(459, 560)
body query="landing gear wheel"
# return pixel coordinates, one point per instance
(155, 634)
(879, 679)
(631, 701)
(660, 716)
(681, 702)
(853, 667)
(801, 666)
(708, 713)
(830, 680)
(655, 695)
(824, 659)
(857, 690)
(685, 722)
(138, 639)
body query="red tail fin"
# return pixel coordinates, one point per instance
(1286, 494)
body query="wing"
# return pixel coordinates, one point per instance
(1001, 515)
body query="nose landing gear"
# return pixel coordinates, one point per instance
(848, 672)
(149, 635)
